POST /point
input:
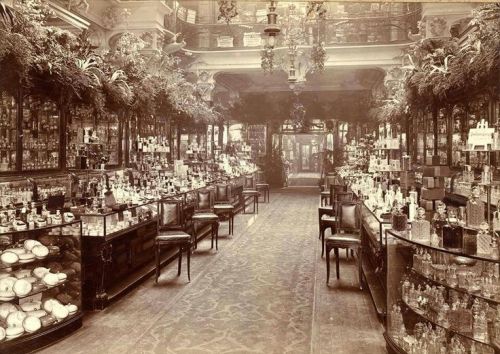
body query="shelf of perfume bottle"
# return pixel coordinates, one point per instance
(396, 346)
(426, 317)
(473, 293)
(43, 228)
(387, 170)
(43, 288)
(403, 236)
(116, 233)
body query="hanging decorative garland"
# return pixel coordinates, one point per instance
(318, 57)
(267, 59)
(227, 10)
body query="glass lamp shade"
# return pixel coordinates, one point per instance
(271, 40)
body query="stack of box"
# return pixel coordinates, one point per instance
(407, 180)
(433, 185)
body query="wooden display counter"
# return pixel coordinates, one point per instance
(116, 262)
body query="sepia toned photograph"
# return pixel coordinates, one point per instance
(249, 177)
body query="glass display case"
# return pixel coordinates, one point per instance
(91, 140)
(40, 284)
(442, 300)
(40, 125)
(8, 132)
(107, 224)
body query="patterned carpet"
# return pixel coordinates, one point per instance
(264, 292)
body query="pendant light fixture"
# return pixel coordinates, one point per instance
(272, 29)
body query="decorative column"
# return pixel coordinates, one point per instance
(205, 86)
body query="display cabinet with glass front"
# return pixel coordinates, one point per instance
(8, 132)
(16, 192)
(92, 141)
(41, 133)
(108, 223)
(440, 299)
(117, 245)
(431, 136)
(40, 283)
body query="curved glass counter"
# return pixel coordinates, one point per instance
(41, 282)
(441, 299)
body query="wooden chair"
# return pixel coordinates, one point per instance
(204, 214)
(325, 195)
(262, 186)
(223, 205)
(326, 214)
(249, 189)
(172, 232)
(347, 235)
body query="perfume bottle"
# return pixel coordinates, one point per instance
(452, 234)
(405, 290)
(417, 260)
(421, 228)
(57, 219)
(484, 239)
(480, 327)
(496, 327)
(475, 209)
(470, 241)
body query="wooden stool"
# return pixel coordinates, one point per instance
(264, 187)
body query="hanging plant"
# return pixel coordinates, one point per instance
(6, 15)
(318, 57)
(267, 59)
(316, 9)
(227, 10)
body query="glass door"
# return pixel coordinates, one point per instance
(305, 157)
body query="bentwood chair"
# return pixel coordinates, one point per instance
(347, 235)
(172, 232)
(205, 215)
(223, 206)
(330, 221)
(249, 190)
(262, 186)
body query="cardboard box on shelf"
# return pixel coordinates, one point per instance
(432, 194)
(428, 182)
(428, 205)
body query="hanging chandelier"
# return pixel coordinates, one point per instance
(303, 50)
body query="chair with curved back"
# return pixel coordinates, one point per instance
(223, 206)
(347, 235)
(204, 214)
(172, 232)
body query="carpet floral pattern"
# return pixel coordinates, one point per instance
(256, 298)
(264, 291)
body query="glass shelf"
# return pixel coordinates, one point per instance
(440, 291)
(66, 239)
(406, 236)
